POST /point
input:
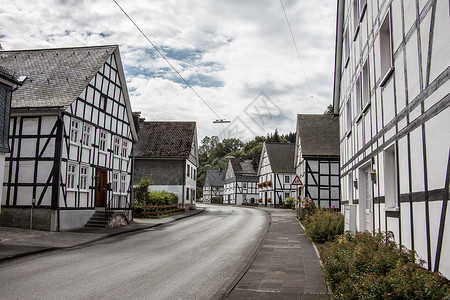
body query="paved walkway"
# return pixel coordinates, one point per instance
(286, 267)
(16, 242)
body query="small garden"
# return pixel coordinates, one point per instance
(367, 266)
(162, 203)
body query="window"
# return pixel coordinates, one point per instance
(244, 185)
(115, 182)
(286, 195)
(188, 170)
(84, 177)
(102, 145)
(346, 48)
(86, 140)
(358, 86)
(102, 104)
(187, 193)
(124, 148)
(123, 183)
(74, 129)
(385, 49)
(348, 107)
(365, 86)
(390, 178)
(286, 179)
(355, 18)
(116, 145)
(71, 176)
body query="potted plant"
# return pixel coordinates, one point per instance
(260, 200)
(269, 200)
(269, 183)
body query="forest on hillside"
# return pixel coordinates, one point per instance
(213, 152)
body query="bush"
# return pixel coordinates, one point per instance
(141, 191)
(289, 202)
(324, 225)
(368, 267)
(160, 198)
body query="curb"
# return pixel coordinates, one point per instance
(12, 257)
(250, 260)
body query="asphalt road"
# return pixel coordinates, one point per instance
(194, 258)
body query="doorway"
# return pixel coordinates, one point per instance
(101, 190)
(365, 199)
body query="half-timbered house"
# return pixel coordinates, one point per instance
(276, 172)
(167, 154)
(71, 136)
(241, 179)
(8, 83)
(317, 159)
(213, 186)
(391, 91)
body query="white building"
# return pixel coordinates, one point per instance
(276, 172)
(213, 186)
(241, 180)
(71, 137)
(317, 159)
(391, 92)
(167, 153)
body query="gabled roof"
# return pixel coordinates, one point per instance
(55, 77)
(214, 178)
(281, 157)
(244, 165)
(318, 134)
(165, 139)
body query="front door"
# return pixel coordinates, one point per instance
(365, 203)
(101, 183)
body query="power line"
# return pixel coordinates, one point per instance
(163, 56)
(296, 48)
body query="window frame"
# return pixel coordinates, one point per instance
(124, 148)
(72, 176)
(102, 143)
(287, 179)
(86, 137)
(391, 178)
(386, 67)
(117, 145)
(84, 178)
(115, 182)
(123, 183)
(74, 131)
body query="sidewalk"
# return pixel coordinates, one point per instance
(286, 267)
(16, 242)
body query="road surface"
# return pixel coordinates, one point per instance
(194, 258)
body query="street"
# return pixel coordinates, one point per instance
(194, 258)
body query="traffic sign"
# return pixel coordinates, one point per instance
(297, 181)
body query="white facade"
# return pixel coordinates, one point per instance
(274, 187)
(239, 189)
(392, 94)
(71, 160)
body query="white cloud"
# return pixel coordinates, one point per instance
(230, 50)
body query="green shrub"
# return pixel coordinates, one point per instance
(368, 267)
(160, 198)
(141, 191)
(324, 225)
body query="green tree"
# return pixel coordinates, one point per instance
(329, 110)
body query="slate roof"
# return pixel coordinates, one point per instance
(165, 139)
(214, 178)
(281, 157)
(319, 134)
(8, 75)
(55, 77)
(245, 165)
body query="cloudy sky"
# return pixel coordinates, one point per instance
(238, 55)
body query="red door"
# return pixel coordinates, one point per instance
(101, 183)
